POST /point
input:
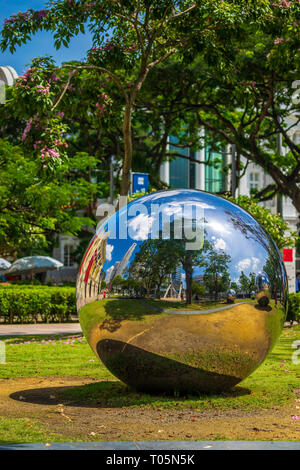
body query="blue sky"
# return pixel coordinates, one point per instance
(42, 42)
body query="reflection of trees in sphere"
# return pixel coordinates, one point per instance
(161, 321)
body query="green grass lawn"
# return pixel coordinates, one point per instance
(24, 430)
(57, 355)
(270, 385)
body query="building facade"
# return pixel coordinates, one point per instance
(191, 173)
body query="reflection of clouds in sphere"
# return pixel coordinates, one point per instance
(109, 250)
(218, 228)
(243, 264)
(255, 263)
(250, 264)
(220, 244)
(139, 228)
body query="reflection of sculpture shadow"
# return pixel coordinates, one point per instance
(263, 308)
(150, 372)
(117, 312)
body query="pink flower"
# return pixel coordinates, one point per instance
(278, 40)
(285, 4)
(295, 417)
(55, 78)
(53, 153)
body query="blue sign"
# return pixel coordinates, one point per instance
(139, 182)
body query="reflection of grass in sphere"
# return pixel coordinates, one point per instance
(158, 351)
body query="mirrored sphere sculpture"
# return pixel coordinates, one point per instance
(263, 289)
(153, 286)
(231, 295)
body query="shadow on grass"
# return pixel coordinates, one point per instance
(111, 394)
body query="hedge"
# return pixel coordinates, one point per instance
(32, 304)
(294, 307)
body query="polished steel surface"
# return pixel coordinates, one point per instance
(181, 291)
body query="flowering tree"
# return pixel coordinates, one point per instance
(32, 213)
(130, 38)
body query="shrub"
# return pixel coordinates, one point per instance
(30, 304)
(294, 307)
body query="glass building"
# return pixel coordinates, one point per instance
(187, 172)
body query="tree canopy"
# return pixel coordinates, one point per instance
(33, 212)
(130, 38)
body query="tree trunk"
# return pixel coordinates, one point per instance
(127, 135)
(295, 196)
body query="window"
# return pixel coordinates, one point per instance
(253, 181)
(68, 257)
(214, 177)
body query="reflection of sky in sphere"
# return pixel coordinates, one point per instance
(229, 228)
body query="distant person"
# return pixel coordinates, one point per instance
(104, 294)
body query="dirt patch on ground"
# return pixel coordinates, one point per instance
(40, 398)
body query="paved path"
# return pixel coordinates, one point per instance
(192, 311)
(204, 312)
(73, 328)
(40, 329)
(160, 445)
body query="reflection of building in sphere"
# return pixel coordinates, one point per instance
(89, 276)
(176, 277)
(124, 261)
(120, 266)
(114, 272)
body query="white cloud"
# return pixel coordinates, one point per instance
(255, 262)
(243, 264)
(248, 263)
(220, 244)
(109, 250)
(218, 227)
(140, 227)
